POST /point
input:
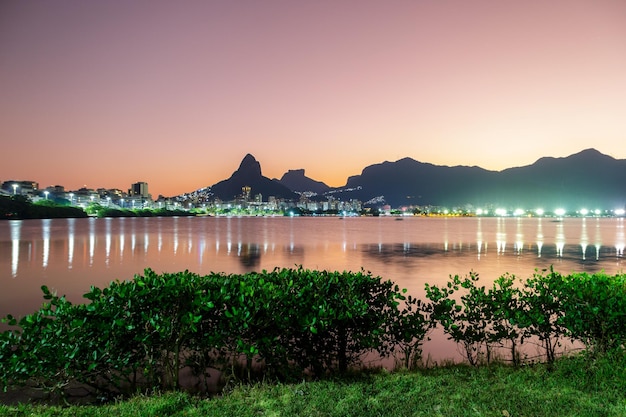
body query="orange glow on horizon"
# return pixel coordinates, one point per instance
(107, 95)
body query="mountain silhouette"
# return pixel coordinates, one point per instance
(249, 175)
(295, 180)
(586, 179)
(409, 182)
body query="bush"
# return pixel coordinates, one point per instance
(546, 308)
(477, 318)
(541, 312)
(297, 320)
(137, 335)
(595, 310)
(43, 352)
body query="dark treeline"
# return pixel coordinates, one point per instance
(20, 208)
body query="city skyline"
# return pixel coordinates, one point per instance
(585, 182)
(174, 94)
(33, 187)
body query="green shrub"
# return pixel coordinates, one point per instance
(137, 335)
(298, 320)
(595, 310)
(542, 311)
(43, 351)
(408, 329)
(477, 318)
(335, 317)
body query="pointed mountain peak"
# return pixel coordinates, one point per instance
(249, 175)
(248, 158)
(249, 166)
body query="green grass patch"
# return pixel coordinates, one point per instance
(572, 386)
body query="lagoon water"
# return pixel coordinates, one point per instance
(70, 255)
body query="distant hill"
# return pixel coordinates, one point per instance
(249, 174)
(295, 180)
(582, 179)
(409, 182)
(586, 179)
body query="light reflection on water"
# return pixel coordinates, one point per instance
(102, 243)
(69, 255)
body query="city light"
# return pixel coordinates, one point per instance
(119, 199)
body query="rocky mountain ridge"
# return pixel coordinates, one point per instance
(588, 178)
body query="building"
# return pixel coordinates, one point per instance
(20, 187)
(139, 189)
(245, 192)
(56, 189)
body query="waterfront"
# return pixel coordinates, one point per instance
(70, 255)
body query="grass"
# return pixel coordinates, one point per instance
(574, 386)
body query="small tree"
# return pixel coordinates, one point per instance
(542, 310)
(409, 328)
(476, 318)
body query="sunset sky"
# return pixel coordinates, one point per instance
(176, 93)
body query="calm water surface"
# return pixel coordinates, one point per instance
(70, 255)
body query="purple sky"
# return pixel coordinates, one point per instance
(108, 93)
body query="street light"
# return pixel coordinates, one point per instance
(14, 189)
(71, 198)
(46, 193)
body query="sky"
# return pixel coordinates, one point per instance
(176, 93)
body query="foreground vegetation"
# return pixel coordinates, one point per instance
(574, 386)
(293, 325)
